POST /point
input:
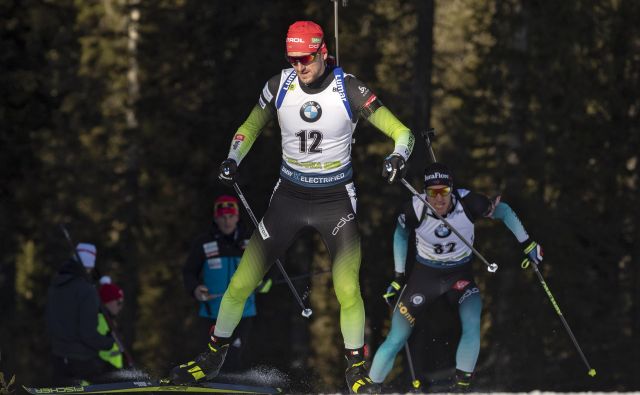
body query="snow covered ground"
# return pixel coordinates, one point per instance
(271, 377)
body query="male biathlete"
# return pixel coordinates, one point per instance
(317, 107)
(443, 267)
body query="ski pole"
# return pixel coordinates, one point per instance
(415, 383)
(591, 371)
(491, 267)
(428, 134)
(103, 310)
(306, 311)
(335, 24)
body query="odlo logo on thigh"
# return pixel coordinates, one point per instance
(405, 313)
(343, 221)
(468, 293)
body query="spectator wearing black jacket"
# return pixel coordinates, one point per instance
(72, 321)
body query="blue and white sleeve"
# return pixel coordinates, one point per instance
(506, 214)
(400, 245)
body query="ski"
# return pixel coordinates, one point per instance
(150, 386)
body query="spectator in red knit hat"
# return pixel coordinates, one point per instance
(112, 298)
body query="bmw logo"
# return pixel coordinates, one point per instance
(442, 231)
(417, 299)
(311, 111)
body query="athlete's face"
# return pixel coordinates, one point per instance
(311, 71)
(227, 223)
(439, 196)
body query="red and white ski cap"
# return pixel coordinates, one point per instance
(87, 253)
(110, 292)
(225, 204)
(305, 36)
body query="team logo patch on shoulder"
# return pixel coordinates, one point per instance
(442, 231)
(267, 93)
(310, 111)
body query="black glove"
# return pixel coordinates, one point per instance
(228, 171)
(533, 252)
(393, 168)
(393, 290)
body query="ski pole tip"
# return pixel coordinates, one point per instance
(592, 372)
(306, 313)
(492, 267)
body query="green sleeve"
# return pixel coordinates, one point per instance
(391, 126)
(248, 132)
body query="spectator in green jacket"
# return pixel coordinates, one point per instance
(112, 298)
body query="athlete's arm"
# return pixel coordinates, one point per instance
(369, 107)
(478, 206)
(407, 221)
(387, 123)
(400, 246)
(260, 115)
(506, 214)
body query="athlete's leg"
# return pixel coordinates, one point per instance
(346, 282)
(281, 223)
(253, 265)
(386, 354)
(333, 215)
(422, 289)
(469, 310)
(335, 219)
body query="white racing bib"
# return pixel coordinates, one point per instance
(316, 131)
(436, 244)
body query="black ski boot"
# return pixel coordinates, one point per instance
(205, 366)
(462, 381)
(356, 374)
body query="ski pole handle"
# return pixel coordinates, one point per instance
(427, 135)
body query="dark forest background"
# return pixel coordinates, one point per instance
(115, 115)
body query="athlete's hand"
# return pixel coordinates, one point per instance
(394, 168)
(393, 290)
(533, 252)
(228, 171)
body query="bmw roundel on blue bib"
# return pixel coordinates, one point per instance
(310, 111)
